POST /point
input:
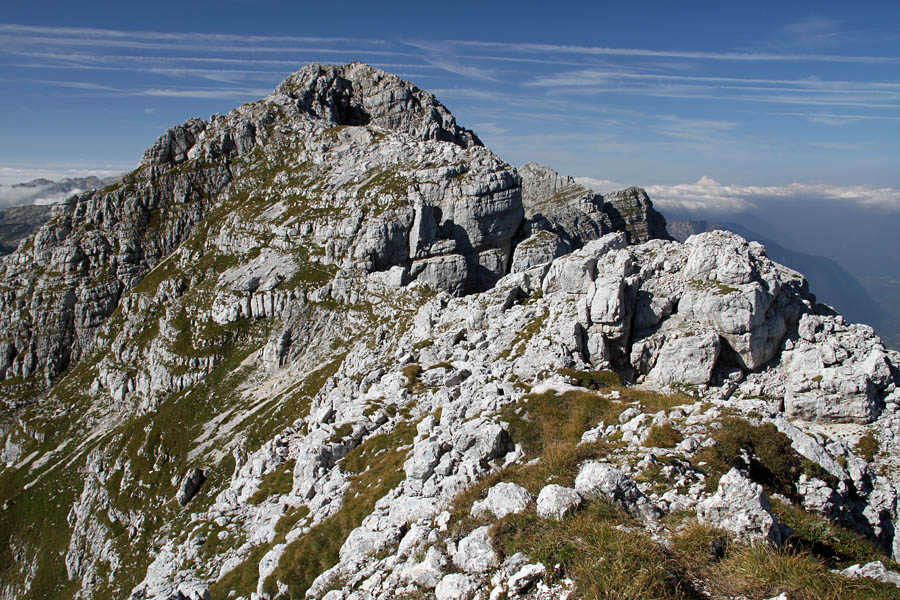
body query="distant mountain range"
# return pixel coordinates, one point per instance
(18, 222)
(45, 191)
(34, 199)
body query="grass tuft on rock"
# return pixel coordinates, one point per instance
(774, 463)
(868, 447)
(605, 558)
(663, 436)
(837, 546)
(276, 483)
(593, 380)
(763, 571)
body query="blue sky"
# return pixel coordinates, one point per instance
(711, 106)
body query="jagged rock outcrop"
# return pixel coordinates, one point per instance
(741, 507)
(563, 216)
(358, 94)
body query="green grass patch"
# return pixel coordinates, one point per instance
(341, 432)
(413, 382)
(774, 464)
(837, 546)
(541, 420)
(762, 571)
(605, 562)
(663, 436)
(868, 447)
(276, 483)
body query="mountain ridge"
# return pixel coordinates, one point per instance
(329, 344)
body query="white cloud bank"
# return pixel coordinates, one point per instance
(707, 195)
(16, 196)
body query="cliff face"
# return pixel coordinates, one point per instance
(329, 344)
(20, 222)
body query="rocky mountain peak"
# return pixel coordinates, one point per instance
(355, 94)
(359, 94)
(317, 346)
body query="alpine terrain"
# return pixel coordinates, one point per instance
(330, 346)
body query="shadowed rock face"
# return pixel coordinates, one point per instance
(19, 222)
(577, 214)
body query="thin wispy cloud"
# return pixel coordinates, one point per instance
(442, 56)
(587, 77)
(719, 56)
(838, 116)
(203, 93)
(559, 103)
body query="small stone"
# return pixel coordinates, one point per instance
(600, 479)
(475, 554)
(556, 501)
(525, 578)
(873, 570)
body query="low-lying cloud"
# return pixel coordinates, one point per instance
(708, 196)
(16, 196)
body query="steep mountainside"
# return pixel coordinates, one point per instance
(328, 345)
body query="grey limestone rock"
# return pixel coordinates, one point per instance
(482, 439)
(456, 586)
(873, 570)
(524, 578)
(740, 506)
(474, 553)
(836, 371)
(358, 94)
(429, 572)
(605, 480)
(172, 147)
(503, 499)
(689, 359)
(556, 501)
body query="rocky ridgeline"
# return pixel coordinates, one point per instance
(328, 345)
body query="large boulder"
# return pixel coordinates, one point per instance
(597, 479)
(740, 506)
(836, 371)
(503, 499)
(556, 501)
(474, 553)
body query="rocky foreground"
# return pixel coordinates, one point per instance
(330, 346)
